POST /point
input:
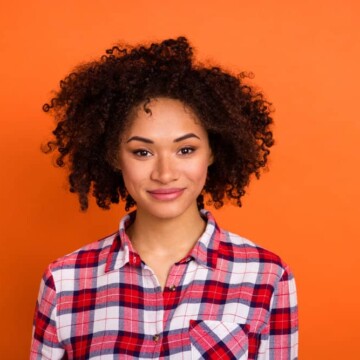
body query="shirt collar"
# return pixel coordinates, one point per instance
(204, 252)
(122, 251)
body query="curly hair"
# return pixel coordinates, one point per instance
(93, 104)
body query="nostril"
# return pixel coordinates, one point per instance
(164, 172)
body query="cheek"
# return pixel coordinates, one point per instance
(132, 176)
(198, 172)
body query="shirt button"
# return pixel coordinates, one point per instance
(156, 337)
(172, 288)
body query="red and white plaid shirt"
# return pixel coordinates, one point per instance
(228, 299)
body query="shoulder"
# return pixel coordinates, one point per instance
(91, 255)
(241, 250)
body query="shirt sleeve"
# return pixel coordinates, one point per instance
(45, 343)
(281, 338)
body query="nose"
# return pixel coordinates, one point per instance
(164, 170)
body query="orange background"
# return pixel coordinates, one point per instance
(306, 209)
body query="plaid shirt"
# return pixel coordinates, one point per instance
(228, 299)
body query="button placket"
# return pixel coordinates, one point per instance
(155, 316)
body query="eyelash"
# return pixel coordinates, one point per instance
(140, 153)
(187, 150)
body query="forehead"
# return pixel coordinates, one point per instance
(163, 116)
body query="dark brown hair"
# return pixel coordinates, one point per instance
(93, 104)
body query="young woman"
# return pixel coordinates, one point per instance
(150, 127)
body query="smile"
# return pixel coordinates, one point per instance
(166, 194)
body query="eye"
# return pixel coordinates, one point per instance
(142, 153)
(186, 150)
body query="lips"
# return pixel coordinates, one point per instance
(166, 194)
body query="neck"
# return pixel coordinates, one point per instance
(175, 235)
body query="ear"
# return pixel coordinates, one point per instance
(211, 158)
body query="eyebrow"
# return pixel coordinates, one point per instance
(149, 141)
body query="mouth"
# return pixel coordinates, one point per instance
(166, 194)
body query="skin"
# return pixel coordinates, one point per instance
(164, 157)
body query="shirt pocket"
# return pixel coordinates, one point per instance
(218, 340)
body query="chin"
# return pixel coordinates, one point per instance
(167, 211)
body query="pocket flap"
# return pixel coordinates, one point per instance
(212, 339)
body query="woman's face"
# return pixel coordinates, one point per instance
(164, 157)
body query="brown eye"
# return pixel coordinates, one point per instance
(186, 150)
(142, 153)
